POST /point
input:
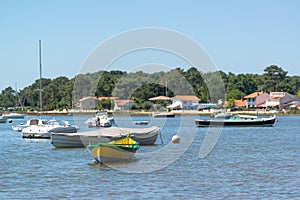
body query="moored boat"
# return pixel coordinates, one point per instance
(14, 115)
(3, 119)
(141, 122)
(144, 136)
(28, 123)
(122, 150)
(163, 114)
(43, 130)
(221, 115)
(101, 119)
(238, 120)
(65, 129)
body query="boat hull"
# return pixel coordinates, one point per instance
(141, 122)
(14, 116)
(101, 120)
(59, 140)
(44, 131)
(69, 129)
(109, 154)
(3, 119)
(36, 135)
(122, 150)
(237, 123)
(18, 128)
(65, 140)
(163, 115)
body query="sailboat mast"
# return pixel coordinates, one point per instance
(166, 89)
(40, 59)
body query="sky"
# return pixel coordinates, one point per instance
(239, 36)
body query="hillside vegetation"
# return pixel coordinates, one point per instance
(63, 93)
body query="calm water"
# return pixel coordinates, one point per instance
(246, 163)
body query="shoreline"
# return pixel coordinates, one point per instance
(142, 113)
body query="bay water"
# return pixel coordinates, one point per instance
(245, 163)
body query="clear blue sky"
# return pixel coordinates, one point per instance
(240, 36)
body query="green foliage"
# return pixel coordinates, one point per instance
(147, 91)
(104, 104)
(235, 94)
(8, 98)
(246, 83)
(137, 101)
(293, 111)
(133, 107)
(273, 76)
(107, 82)
(230, 103)
(147, 105)
(215, 86)
(62, 93)
(298, 94)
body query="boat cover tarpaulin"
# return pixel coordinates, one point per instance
(116, 131)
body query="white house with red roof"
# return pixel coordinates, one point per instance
(281, 100)
(107, 98)
(256, 99)
(123, 104)
(185, 102)
(160, 98)
(86, 103)
(240, 103)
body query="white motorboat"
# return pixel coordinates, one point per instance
(43, 131)
(3, 119)
(14, 115)
(100, 120)
(221, 115)
(163, 114)
(144, 136)
(29, 122)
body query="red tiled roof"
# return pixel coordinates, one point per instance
(105, 98)
(253, 95)
(85, 98)
(276, 97)
(187, 98)
(240, 103)
(123, 102)
(160, 98)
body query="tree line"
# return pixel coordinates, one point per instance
(63, 93)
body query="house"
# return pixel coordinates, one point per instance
(281, 100)
(256, 99)
(185, 102)
(124, 104)
(240, 103)
(166, 100)
(160, 98)
(87, 103)
(107, 98)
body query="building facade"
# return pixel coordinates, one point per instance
(123, 104)
(281, 99)
(87, 103)
(186, 102)
(256, 99)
